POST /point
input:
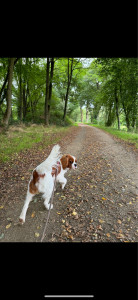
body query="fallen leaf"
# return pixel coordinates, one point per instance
(9, 219)
(108, 234)
(74, 213)
(101, 221)
(99, 227)
(8, 226)
(71, 237)
(63, 221)
(104, 198)
(37, 234)
(1, 206)
(119, 221)
(64, 233)
(33, 214)
(119, 236)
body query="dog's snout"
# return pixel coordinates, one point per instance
(75, 165)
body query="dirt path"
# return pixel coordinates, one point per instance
(99, 201)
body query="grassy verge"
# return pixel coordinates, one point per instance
(24, 137)
(126, 136)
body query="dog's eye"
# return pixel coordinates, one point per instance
(71, 162)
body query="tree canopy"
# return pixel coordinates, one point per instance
(57, 90)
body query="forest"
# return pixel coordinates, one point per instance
(61, 91)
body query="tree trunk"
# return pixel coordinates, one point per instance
(81, 111)
(117, 108)
(47, 93)
(68, 86)
(109, 120)
(6, 80)
(24, 102)
(9, 92)
(87, 113)
(66, 100)
(50, 85)
(20, 105)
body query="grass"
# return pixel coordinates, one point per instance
(24, 137)
(123, 135)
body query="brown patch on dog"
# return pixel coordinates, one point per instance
(54, 170)
(32, 187)
(64, 161)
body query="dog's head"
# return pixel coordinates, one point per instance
(68, 161)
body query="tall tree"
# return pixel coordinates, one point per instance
(20, 104)
(50, 85)
(70, 71)
(47, 93)
(9, 92)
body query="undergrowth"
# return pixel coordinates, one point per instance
(18, 138)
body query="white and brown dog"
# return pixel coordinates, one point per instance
(43, 177)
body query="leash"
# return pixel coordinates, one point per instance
(43, 235)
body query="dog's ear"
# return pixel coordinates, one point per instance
(64, 161)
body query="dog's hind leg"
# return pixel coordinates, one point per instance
(47, 196)
(28, 199)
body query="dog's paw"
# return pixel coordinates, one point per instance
(47, 206)
(21, 221)
(51, 206)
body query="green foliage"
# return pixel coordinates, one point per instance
(119, 89)
(102, 91)
(56, 118)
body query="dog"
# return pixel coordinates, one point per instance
(44, 175)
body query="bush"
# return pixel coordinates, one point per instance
(56, 118)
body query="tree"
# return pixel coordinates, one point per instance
(9, 92)
(50, 84)
(70, 71)
(47, 93)
(119, 78)
(48, 90)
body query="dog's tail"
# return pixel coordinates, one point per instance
(51, 160)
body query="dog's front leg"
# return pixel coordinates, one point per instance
(63, 182)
